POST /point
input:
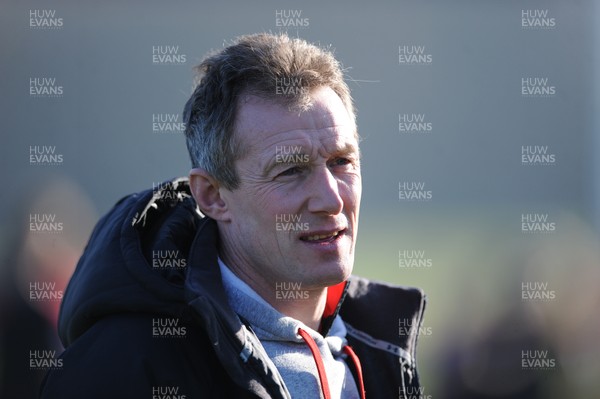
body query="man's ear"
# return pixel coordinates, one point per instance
(206, 192)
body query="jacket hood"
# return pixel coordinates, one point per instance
(120, 270)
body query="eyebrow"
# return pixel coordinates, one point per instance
(348, 148)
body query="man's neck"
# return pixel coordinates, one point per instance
(309, 311)
(306, 306)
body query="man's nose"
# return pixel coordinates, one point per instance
(325, 193)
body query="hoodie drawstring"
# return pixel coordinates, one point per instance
(321, 366)
(318, 360)
(358, 367)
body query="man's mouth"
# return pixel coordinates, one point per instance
(321, 237)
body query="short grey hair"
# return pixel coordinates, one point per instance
(252, 65)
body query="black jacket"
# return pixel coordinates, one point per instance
(117, 298)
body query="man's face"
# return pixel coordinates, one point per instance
(294, 216)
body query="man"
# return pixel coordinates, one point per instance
(237, 282)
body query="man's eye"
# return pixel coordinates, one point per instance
(290, 171)
(340, 162)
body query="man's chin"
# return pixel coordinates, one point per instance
(326, 275)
